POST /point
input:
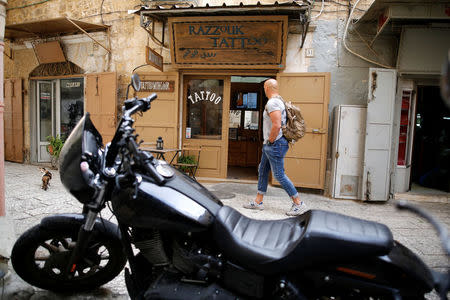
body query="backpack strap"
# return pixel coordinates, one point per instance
(285, 110)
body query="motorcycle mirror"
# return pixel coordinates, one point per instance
(136, 82)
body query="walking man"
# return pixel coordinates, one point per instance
(274, 149)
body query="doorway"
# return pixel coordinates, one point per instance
(431, 147)
(59, 106)
(206, 108)
(245, 136)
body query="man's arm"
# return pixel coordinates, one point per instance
(275, 117)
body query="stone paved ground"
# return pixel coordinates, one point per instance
(27, 204)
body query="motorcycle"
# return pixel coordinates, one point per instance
(181, 242)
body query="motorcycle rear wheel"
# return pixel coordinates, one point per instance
(41, 255)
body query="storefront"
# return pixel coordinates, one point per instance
(220, 57)
(47, 101)
(416, 152)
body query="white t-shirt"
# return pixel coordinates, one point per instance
(274, 103)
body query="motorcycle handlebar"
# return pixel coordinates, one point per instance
(131, 106)
(135, 104)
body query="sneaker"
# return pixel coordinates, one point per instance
(297, 209)
(253, 205)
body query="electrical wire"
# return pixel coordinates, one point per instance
(27, 5)
(139, 67)
(354, 53)
(342, 4)
(101, 12)
(321, 10)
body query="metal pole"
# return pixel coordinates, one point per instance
(2, 105)
(85, 32)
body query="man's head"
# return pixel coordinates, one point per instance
(271, 88)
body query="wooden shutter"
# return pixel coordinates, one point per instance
(162, 119)
(101, 102)
(13, 120)
(378, 152)
(305, 162)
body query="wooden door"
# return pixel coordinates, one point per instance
(13, 120)
(101, 102)
(206, 104)
(305, 162)
(162, 119)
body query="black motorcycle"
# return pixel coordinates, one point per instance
(181, 242)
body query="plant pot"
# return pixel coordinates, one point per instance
(55, 162)
(50, 149)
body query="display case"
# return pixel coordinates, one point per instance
(406, 128)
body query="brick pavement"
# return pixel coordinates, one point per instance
(27, 204)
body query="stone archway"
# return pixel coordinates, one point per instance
(56, 69)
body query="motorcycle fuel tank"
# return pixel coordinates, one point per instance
(180, 204)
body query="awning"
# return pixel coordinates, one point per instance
(390, 16)
(295, 10)
(50, 28)
(290, 8)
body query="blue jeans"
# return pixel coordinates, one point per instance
(273, 159)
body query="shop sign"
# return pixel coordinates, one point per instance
(154, 59)
(204, 96)
(229, 42)
(157, 86)
(72, 84)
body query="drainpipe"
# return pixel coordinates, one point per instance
(3, 4)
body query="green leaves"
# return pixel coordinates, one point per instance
(55, 145)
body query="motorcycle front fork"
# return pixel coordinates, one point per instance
(90, 211)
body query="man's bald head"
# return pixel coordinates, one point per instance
(271, 87)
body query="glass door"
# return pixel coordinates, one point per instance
(206, 109)
(71, 102)
(45, 117)
(60, 105)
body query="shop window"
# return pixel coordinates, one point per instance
(71, 103)
(45, 104)
(204, 108)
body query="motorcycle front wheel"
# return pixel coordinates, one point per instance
(40, 257)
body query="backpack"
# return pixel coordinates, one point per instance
(295, 124)
(295, 128)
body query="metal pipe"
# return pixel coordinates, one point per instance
(3, 4)
(2, 139)
(85, 32)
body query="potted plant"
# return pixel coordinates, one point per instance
(188, 160)
(54, 147)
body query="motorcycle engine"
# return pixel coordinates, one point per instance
(151, 246)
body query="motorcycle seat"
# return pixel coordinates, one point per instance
(271, 246)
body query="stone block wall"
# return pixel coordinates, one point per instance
(127, 41)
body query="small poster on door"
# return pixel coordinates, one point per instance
(188, 132)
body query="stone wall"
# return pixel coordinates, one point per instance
(127, 41)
